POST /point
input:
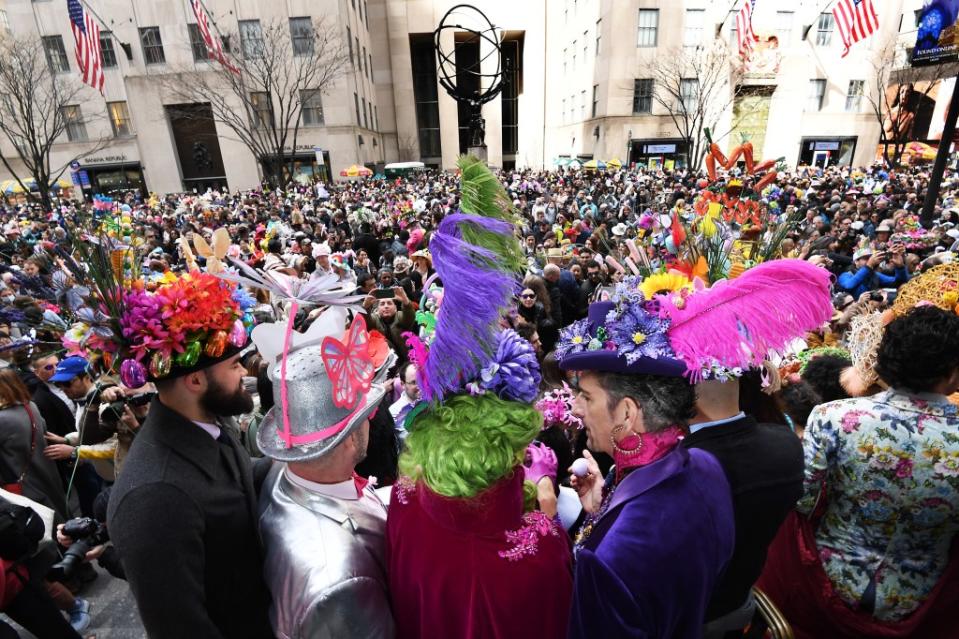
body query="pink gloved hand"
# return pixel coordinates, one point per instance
(540, 462)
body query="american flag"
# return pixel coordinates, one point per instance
(744, 28)
(212, 43)
(856, 20)
(86, 34)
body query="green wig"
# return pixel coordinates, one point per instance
(468, 443)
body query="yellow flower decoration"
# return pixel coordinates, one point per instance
(664, 283)
(950, 298)
(639, 337)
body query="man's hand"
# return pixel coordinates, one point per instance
(589, 487)
(53, 438)
(400, 293)
(58, 451)
(875, 260)
(111, 394)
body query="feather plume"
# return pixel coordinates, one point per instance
(474, 294)
(478, 257)
(736, 323)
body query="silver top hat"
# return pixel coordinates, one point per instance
(317, 424)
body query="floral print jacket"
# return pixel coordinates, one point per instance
(888, 468)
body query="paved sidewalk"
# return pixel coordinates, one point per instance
(112, 608)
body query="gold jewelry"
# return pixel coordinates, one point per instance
(619, 450)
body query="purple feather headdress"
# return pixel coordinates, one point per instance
(474, 294)
(478, 257)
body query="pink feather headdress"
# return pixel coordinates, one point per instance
(737, 323)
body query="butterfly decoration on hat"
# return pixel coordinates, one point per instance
(348, 364)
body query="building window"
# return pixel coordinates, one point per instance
(574, 54)
(119, 119)
(262, 109)
(4, 21)
(356, 105)
(349, 43)
(512, 81)
(311, 107)
(423, 59)
(356, 47)
(301, 33)
(76, 129)
(369, 107)
(369, 64)
(366, 20)
(359, 10)
(595, 100)
(582, 104)
(817, 93)
(197, 45)
(366, 121)
(367, 69)
(824, 29)
(784, 27)
(107, 54)
(152, 45)
(563, 112)
(693, 31)
(643, 95)
(56, 55)
(689, 94)
(572, 107)
(599, 35)
(733, 30)
(376, 110)
(585, 46)
(854, 96)
(251, 39)
(564, 61)
(648, 28)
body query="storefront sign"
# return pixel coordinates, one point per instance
(84, 179)
(319, 155)
(827, 146)
(660, 148)
(106, 159)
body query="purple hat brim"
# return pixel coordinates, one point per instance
(612, 362)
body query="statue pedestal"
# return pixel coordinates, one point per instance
(479, 151)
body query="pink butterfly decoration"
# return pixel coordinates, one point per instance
(349, 365)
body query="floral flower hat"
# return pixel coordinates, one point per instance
(669, 325)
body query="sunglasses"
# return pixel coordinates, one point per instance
(527, 296)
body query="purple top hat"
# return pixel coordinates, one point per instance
(633, 342)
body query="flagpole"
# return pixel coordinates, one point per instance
(806, 31)
(719, 29)
(104, 23)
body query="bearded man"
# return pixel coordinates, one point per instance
(183, 513)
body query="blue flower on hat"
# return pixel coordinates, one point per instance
(638, 333)
(574, 338)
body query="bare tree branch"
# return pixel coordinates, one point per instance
(32, 116)
(262, 106)
(696, 88)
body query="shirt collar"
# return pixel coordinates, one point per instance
(719, 422)
(212, 429)
(341, 490)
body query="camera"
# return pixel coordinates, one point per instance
(86, 533)
(113, 411)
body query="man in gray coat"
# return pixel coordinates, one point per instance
(323, 528)
(182, 515)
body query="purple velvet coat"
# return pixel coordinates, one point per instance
(651, 563)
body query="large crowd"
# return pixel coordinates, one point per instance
(487, 404)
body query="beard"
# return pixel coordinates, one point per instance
(225, 402)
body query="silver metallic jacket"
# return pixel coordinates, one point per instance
(325, 563)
